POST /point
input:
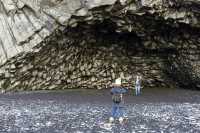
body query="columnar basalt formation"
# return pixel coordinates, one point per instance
(60, 44)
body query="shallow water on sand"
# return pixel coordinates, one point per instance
(155, 111)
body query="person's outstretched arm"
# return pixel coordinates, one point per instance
(112, 91)
(124, 90)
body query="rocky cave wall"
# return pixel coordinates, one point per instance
(91, 61)
(89, 44)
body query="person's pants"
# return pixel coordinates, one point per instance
(137, 90)
(117, 110)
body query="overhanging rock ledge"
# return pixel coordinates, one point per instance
(60, 44)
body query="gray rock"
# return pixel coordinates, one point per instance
(75, 42)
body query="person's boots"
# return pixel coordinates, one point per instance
(121, 119)
(111, 119)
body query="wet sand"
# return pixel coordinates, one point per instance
(148, 95)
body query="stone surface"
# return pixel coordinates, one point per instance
(171, 110)
(67, 44)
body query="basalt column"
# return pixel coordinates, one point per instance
(61, 44)
(82, 58)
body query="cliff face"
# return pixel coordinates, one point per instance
(58, 44)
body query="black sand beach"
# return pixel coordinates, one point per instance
(86, 111)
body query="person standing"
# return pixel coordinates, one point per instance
(138, 85)
(117, 94)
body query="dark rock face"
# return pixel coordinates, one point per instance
(87, 44)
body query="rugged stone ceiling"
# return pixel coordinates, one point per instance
(167, 29)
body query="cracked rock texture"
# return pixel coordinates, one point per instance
(60, 44)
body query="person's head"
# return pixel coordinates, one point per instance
(117, 82)
(138, 77)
